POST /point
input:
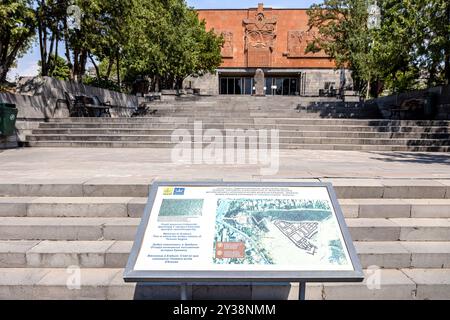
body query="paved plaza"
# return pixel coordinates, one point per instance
(78, 165)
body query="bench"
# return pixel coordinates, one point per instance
(409, 106)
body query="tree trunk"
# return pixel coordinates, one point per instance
(67, 52)
(3, 73)
(97, 71)
(110, 65)
(56, 51)
(447, 51)
(118, 69)
(368, 90)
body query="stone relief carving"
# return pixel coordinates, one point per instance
(298, 41)
(260, 34)
(227, 48)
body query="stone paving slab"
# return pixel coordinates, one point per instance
(423, 229)
(50, 283)
(428, 254)
(431, 283)
(60, 254)
(393, 285)
(385, 254)
(12, 253)
(78, 165)
(134, 207)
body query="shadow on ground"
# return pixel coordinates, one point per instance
(411, 157)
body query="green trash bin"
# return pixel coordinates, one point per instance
(8, 115)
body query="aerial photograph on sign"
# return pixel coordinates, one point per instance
(277, 231)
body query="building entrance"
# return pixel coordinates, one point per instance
(283, 86)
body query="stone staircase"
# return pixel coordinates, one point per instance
(299, 127)
(401, 226)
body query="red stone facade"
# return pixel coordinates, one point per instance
(265, 38)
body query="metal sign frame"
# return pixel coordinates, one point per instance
(242, 277)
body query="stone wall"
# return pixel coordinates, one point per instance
(314, 79)
(208, 84)
(385, 104)
(311, 81)
(36, 98)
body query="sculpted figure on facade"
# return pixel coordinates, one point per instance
(227, 48)
(298, 41)
(260, 34)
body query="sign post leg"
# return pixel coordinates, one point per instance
(184, 294)
(301, 290)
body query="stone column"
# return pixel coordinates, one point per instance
(259, 83)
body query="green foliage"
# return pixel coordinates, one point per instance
(101, 83)
(57, 68)
(410, 45)
(161, 39)
(17, 26)
(167, 40)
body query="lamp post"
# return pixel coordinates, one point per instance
(373, 23)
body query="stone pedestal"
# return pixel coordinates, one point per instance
(259, 83)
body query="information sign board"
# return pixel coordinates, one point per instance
(242, 231)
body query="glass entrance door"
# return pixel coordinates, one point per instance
(281, 86)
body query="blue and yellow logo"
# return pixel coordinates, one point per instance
(169, 191)
(178, 192)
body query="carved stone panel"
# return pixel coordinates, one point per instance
(297, 43)
(259, 82)
(260, 34)
(227, 48)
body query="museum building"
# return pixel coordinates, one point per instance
(273, 40)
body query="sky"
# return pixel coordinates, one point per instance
(27, 65)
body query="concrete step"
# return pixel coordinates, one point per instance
(221, 126)
(19, 228)
(282, 139)
(165, 145)
(133, 207)
(282, 133)
(131, 187)
(403, 229)
(262, 120)
(361, 229)
(114, 254)
(72, 206)
(101, 283)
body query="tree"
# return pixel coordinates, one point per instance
(50, 15)
(167, 42)
(343, 35)
(17, 28)
(58, 68)
(413, 41)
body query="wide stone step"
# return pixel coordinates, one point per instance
(263, 120)
(134, 207)
(222, 126)
(114, 254)
(19, 228)
(361, 229)
(186, 137)
(403, 229)
(131, 187)
(165, 145)
(101, 283)
(282, 133)
(72, 206)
